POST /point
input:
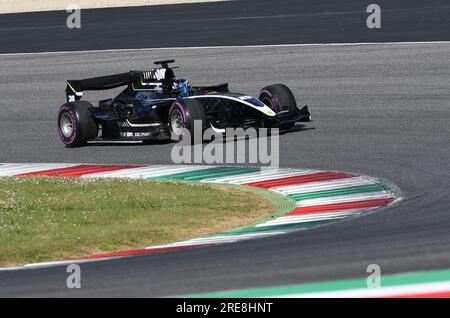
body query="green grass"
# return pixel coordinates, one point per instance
(43, 219)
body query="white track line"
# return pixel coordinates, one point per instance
(217, 239)
(222, 47)
(311, 217)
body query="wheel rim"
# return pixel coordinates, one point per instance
(66, 125)
(176, 120)
(176, 123)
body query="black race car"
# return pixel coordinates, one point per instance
(155, 105)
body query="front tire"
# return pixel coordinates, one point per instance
(278, 97)
(182, 115)
(75, 124)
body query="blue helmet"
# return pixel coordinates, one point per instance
(182, 87)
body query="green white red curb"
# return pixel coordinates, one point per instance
(311, 197)
(435, 284)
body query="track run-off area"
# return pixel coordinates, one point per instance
(379, 109)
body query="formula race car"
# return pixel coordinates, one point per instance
(155, 105)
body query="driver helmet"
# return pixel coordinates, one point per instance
(182, 87)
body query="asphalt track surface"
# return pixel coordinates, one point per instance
(379, 109)
(243, 22)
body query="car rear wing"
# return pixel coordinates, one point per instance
(75, 89)
(155, 79)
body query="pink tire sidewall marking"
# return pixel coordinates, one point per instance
(72, 115)
(180, 107)
(274, 102)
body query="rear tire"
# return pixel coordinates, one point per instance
(75, 124)
(182, 114)
(278, 97)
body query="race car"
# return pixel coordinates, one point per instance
(156, 105)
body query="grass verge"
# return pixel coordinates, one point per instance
(44, 219)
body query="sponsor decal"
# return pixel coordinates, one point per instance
(129, 134)
(155, 74)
